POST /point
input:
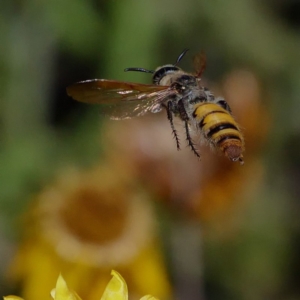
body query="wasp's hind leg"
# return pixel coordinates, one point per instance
(170, 118)
(189, 139)
(184, 116)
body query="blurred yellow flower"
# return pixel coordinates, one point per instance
(84, 225)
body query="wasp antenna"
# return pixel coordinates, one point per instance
(181, 56)
(138, 70)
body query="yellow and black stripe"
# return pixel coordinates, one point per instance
(220, 129)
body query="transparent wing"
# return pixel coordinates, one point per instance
(121, 100)
(134, 108)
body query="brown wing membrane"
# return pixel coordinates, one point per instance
(121, 100)
(101, 91)
(199, 63)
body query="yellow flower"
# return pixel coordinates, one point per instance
(12, 297)
(116, 289)
(84, 225)
(62, 292)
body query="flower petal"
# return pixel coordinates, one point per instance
(148, 297)
(116, 288)
(12, 297)
(62, 292)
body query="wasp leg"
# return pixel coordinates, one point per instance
(189, 139)
(184, 116)
(170, 118)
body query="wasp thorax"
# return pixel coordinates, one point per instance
(161, 72)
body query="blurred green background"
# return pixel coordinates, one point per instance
(47, 45)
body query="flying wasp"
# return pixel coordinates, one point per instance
(180, 94)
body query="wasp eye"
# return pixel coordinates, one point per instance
(185, 77)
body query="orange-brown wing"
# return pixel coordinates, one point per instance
(121, 100)
(199, 63)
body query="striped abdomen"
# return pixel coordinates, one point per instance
(220, 129)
